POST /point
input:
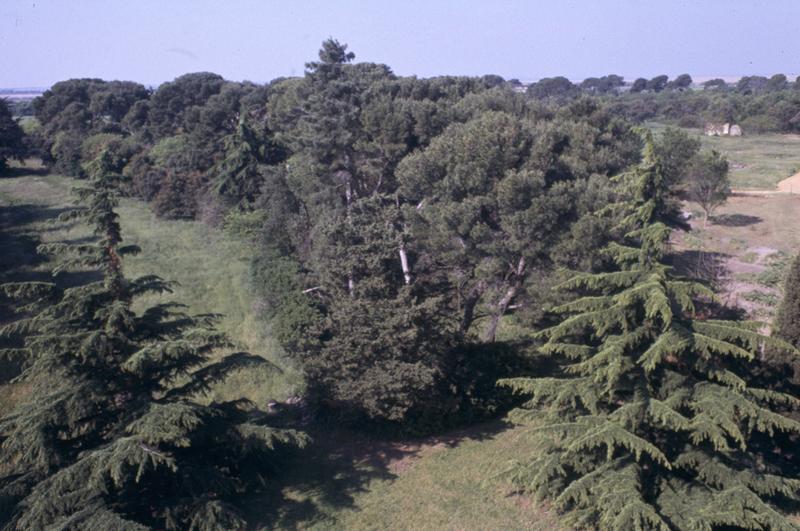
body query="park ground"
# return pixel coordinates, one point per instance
(454, 481)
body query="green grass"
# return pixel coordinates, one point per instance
(454, 489)
(449, 483)
(212, 272)
(757, 161)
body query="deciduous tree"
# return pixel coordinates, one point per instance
(707, 181)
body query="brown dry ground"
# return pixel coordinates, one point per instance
(747, 239)
(790, 185)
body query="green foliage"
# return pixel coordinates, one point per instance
(707, 181)
(766, 299)
(660, 417)
(291, 311)
(172, 102)
(777, 267)
(757, 104)
(676, 149)
(557, 87)
(11, 136)
(787, 320)
(66, 152)
(239, 175)
(74, 109)
(112, 435)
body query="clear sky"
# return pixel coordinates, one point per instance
(151, 41)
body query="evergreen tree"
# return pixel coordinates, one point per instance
(787, 326)
(11, 136)
(658, 419)
(787, 320)
(113, 435)
(238, 174)
(381, 348)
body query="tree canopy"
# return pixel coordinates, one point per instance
(11, 136)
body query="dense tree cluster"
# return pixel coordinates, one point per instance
(407, 237)
(400, 221)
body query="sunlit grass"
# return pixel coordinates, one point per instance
(451, 483)
(758, 161)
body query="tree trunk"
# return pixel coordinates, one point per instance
(404, 264)
(470, 301)
(502, 305)
(346, 176)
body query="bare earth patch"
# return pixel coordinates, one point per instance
(790, 185)
(748, 235)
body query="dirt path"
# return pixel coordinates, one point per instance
(790, 185)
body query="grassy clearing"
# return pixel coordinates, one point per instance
(452, 482)
(212, 272)
(452, 488)
(757, 161)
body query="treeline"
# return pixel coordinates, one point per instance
(399, 221)
(415, 241)
(406, 229)
(757, 103)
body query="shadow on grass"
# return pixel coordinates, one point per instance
(17, 243)
(24, 171)
(15, 217)
(328, 476)
(20, 225)
(735, 220)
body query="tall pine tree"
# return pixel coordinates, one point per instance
(113, 436)
(657, 420)
(787, 320)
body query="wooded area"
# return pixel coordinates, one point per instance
(431, 253)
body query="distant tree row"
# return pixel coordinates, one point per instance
(611, 84)
(453, 199)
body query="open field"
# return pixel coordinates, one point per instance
(757, 161)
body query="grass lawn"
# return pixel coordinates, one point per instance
(450, 482)
(453, 487)
(757, 161)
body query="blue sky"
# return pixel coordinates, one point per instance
(151, 41)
